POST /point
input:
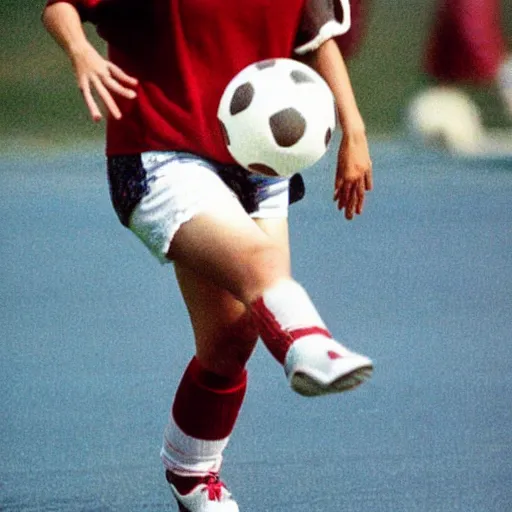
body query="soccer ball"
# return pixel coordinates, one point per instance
(277, 117)
(445, 118)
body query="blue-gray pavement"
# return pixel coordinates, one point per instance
(94, 338)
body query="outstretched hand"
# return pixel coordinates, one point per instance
(97, 75)
(353, 175)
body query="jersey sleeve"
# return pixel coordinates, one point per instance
(321, 20)
(84, 7)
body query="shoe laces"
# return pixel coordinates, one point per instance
(213, 487)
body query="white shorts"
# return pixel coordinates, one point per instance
(155, 192)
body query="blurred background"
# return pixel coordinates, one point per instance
(41, 104)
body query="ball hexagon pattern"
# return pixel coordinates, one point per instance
(277, 117)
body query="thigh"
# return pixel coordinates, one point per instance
(277, 230)
(229, 249)
(224, 333)
(182, 210)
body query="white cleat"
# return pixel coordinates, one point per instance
(209, 495)
(316, 365)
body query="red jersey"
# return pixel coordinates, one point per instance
(184, 53)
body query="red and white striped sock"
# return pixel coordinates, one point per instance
(202, 418)
(284, 314)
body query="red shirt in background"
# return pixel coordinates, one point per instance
(467, 43)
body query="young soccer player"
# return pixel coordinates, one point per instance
(175, 186)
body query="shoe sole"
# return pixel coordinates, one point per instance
(306, 385)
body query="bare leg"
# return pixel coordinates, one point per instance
(231, 251)
(224, 331)
(212, 388)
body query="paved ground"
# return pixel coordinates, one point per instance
(94, 337)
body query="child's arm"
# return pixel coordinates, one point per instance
(354, 170)
(94, 73)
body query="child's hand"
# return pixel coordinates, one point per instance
(95, 74)
(353, 174)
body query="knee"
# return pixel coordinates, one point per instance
(265, 265)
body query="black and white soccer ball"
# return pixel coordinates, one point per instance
(277, 117)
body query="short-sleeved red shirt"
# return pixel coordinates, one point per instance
(184, 53)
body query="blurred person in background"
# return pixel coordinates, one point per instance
(467, 46)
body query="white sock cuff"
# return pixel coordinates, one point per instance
(187, 455)
(291, 305)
